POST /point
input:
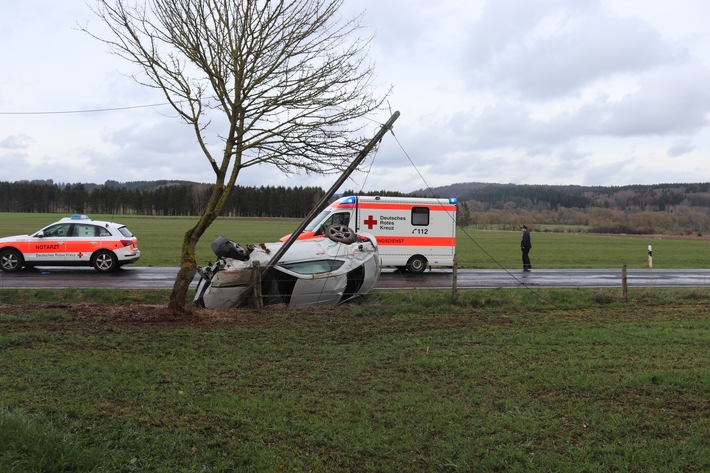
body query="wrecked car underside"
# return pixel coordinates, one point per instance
(322, 271)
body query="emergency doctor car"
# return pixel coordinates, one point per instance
(72, 241)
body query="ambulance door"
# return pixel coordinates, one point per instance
(49, 244)
(82, 242)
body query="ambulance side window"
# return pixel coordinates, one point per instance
(420, 215)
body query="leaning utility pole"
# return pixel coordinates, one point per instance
(321, 205)
(249, 291)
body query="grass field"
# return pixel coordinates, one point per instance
(160, 239)
(503, 380)
(500, 380)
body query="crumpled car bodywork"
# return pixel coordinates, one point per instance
(312, 272)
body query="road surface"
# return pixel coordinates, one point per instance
(137, 277)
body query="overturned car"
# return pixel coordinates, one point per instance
(322, 271)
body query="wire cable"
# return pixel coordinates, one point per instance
(91, 110)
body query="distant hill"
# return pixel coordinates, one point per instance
(129, 185)
(654, 197)
(148, 185)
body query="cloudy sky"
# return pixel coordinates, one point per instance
(587, 92)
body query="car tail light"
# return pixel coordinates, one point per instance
(126, 242)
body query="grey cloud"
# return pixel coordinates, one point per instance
(21, 141)
(550, 48)
(669, 100)
(159, 143)
(680, 148)
(667, 103)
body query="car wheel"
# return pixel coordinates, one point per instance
(11, 260)
(105, 261)
(341, 234)
(416, 264)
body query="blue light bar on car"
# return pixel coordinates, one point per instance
(80, 217)
(453, 200)
(349, 200)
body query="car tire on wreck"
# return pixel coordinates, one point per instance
(341, 234)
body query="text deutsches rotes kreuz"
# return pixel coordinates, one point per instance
(387, 223)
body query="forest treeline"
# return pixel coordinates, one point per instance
(638, 209)
(163, 198)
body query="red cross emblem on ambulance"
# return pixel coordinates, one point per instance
(370, 222)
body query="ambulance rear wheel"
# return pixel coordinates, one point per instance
(11, 260)
(416, 264)
(105, 261)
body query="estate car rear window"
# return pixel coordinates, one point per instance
(125, 231)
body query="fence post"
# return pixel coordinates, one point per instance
(624, 283)
(650, 257)
(454, 286)
(256, 284)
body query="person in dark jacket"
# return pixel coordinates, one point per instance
(525, 247)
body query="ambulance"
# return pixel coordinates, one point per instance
(412, 233)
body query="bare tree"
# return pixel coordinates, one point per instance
(278, 82)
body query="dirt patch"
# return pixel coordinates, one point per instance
(147, 316)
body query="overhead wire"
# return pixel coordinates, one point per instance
(90, 110)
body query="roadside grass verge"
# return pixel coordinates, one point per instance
(499, 380)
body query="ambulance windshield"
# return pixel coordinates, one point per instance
(317, 220)
(333, 218)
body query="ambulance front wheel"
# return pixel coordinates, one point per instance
(105, 261)
(416, 264)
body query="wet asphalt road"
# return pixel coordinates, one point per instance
(137, 277)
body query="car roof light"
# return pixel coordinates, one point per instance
(80, 217)
(349, 200)
(453, 200)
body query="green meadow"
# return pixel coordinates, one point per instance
(513, 380)
(160, 239)
(499, 380)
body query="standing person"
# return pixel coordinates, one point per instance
(525, 247)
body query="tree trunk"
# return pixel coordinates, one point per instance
(188, 266)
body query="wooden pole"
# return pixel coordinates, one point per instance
(624, 283)
(454, 287)
(256, 284)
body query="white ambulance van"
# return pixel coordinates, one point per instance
(412, 233)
